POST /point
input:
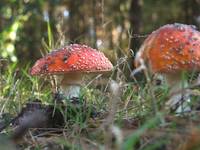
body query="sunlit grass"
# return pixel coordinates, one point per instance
(17, 87)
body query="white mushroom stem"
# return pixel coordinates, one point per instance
(70, 84)
(178, 96)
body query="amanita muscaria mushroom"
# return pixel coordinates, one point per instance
(70, 64)
(170, 51)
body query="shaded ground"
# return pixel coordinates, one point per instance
(33, 130)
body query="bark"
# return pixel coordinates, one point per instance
(94, 24)
(191, 9)
(74, 19)
(136, 23)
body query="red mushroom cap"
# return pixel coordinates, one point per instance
(171, 48)
(72, 58)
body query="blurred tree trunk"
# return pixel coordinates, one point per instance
(135, 19)
(74, 20)
(94, 24)
(135, 22)
(196, 12)
(110, 36)
(191, 9)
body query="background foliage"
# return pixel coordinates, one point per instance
(112, 26)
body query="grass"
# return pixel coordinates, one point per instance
(128, 107)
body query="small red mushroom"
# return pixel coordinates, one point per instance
(70, 64)
(170, 51)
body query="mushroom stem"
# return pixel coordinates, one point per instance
(70, 84)
(179, 97)
(70, 91)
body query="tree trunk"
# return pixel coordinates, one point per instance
(74, 20)
(136, 23)
(94, 24)
(191, 9)
(195, 7)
